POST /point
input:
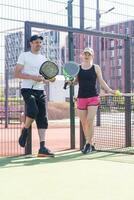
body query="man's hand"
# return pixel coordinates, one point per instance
(52, 79)
(38, 78)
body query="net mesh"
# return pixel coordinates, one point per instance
(115, 129)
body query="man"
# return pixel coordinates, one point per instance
(32, 90)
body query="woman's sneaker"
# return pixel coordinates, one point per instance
(87, 148)
(44, 152)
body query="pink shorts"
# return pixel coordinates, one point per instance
(83, 103)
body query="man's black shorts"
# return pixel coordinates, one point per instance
(35, 101)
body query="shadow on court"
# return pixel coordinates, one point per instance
(68, 156)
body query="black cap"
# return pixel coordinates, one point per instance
(35, 37)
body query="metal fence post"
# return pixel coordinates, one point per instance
(82, 137)
(6, 91)
(27, 35)
(127, 90)
(98, 117)
(71, 57)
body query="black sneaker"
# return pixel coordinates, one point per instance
(44, 152)
(93, 148)
(23, 137)
(87, 148)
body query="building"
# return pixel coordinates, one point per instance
(14, 45)
(112, 53)
(51, 46)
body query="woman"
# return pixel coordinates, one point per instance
(88, 99)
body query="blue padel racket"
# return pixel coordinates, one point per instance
(70, 72)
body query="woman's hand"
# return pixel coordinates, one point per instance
(71, 82)
(112, 91)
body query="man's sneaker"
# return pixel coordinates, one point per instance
(23, 137)
(87, 148)
(44, 152)
(93, 148)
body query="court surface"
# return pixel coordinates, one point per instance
(68, 176)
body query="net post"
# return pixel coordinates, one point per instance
(82, 138)
(27, 35)
(71, 58)
(127, 90)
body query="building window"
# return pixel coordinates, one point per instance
(112, 44)
(112, 62)
(119, 52)
(119, 62)
(126, 30)
(120, 43)
(102, 44)
(113, 72)
(119, 72)
(132, 40)
(112, 54)
(119, 84)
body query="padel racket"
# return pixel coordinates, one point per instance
(49, 70)
(70, 71)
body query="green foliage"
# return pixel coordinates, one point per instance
(12, 101)
(114, 103)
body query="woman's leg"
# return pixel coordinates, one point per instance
(87, 120)
(89, 128)
(83, 118)
(87, 111)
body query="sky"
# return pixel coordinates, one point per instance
(53, 11)
(13, 13)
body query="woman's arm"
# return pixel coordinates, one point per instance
(102, 83)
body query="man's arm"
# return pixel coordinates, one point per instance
(19, 74)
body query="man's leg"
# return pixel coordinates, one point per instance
(28, 122)
(25, 131)
(42, 125)
(31, 113)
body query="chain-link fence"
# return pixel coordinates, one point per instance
(113, 59)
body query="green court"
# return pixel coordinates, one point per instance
(68, 176)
